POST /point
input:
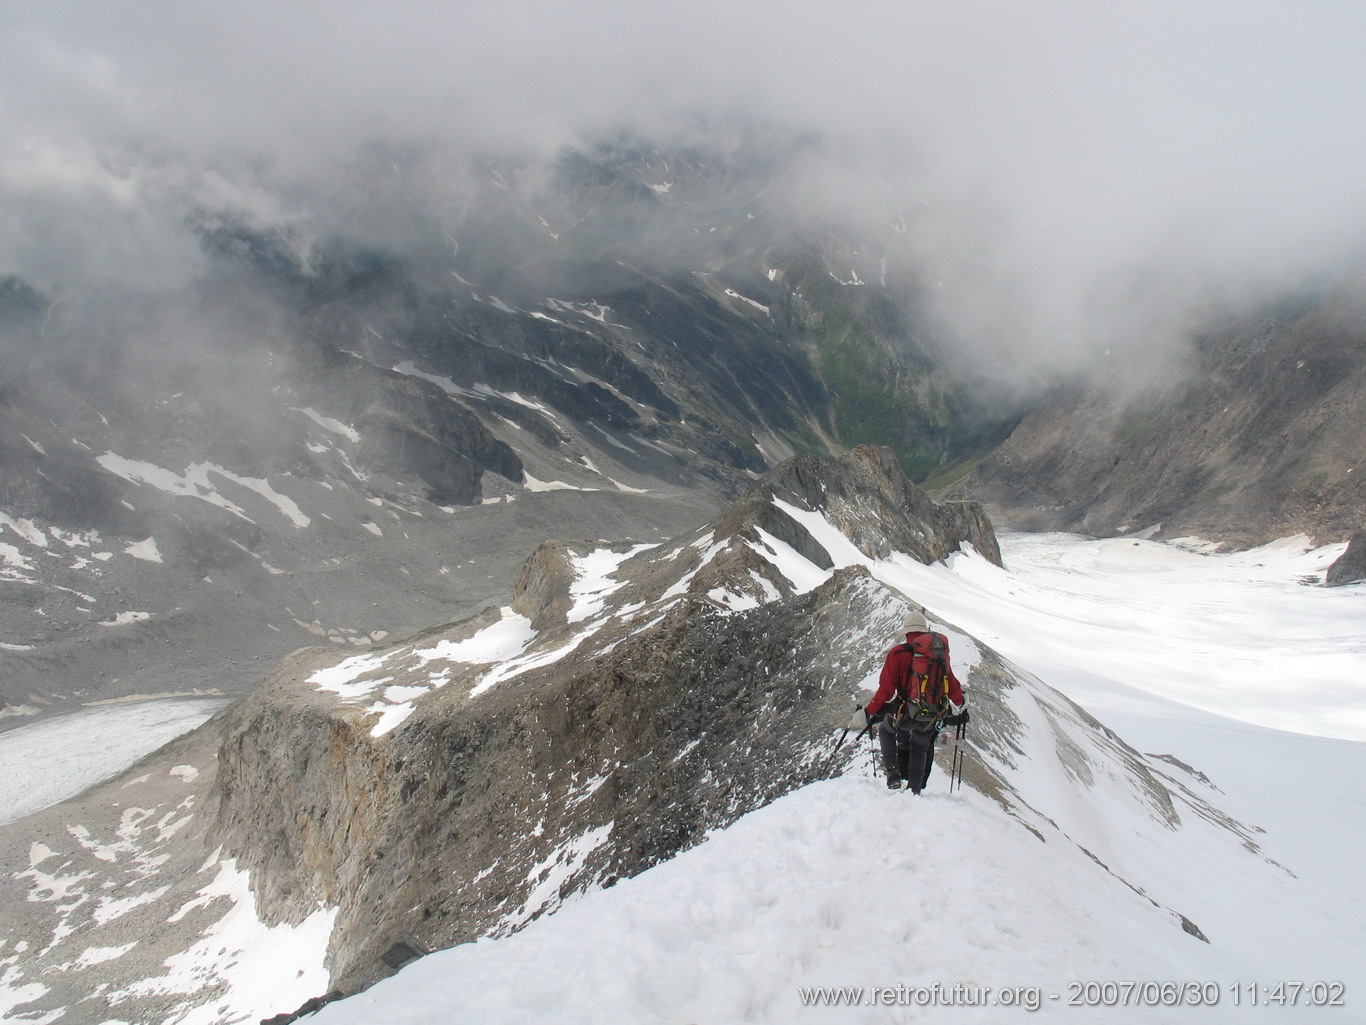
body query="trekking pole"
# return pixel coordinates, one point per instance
(956, 766)
(840, 743)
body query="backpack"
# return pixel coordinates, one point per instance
(926, 699)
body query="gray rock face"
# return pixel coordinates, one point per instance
(1350, 568)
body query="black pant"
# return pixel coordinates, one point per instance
(911, 751)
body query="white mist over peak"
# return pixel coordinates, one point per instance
(1043, 161)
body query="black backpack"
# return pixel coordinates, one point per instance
(926, 699)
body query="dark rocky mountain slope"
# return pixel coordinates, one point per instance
(321, 438)
(1257, 436)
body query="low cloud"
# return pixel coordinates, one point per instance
(1070, 174)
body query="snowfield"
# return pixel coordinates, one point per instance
(943, 908)
(1117, 623)
(49, 761)
(837, 885)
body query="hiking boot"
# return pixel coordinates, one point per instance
(893, 778)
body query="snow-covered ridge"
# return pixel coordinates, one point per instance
(367, 681)
(1009, 914)
(587, 609)
(610, 595)
(510, 765)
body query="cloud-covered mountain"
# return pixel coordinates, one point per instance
(1066, 177)
(1255, 434)
(274, 453)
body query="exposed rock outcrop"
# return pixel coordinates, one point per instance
(868, 498)
(1350, 568)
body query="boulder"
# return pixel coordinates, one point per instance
(1351, 565)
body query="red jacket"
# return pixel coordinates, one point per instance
(896, 673)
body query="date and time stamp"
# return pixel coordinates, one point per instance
(1282, 993)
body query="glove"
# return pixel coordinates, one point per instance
(956, 720)
(859, 720)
